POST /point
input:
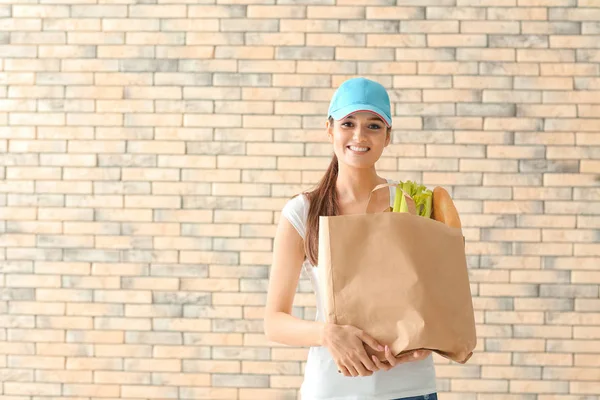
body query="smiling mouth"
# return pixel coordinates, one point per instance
(358, 149)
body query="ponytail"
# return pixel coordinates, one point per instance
(323, 202)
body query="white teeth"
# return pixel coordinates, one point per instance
(359, 148)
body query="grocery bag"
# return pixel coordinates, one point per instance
(400, 277)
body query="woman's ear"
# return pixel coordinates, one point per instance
(329, 131)
(388, 139)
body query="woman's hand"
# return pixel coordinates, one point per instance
(346, 344)
(392, 361)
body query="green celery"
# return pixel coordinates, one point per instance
(422, 197)
(397, 198)
(428, 204)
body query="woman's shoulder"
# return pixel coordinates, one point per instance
(295, 210)
(297, 205)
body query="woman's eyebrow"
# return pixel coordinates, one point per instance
(370, 119)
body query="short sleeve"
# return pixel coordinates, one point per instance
(296, 211)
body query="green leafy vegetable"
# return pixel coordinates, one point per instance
(422, 197)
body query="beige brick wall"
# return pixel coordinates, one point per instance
(146, 151)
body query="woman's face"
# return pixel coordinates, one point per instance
(358, 139)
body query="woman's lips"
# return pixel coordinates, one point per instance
(359, 153)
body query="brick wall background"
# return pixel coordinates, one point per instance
(146, 151)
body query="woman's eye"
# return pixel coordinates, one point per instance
(372, 126)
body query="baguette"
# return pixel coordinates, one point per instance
(444, 209)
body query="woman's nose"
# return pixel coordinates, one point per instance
(358, 133)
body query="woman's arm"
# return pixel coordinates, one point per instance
(279, 325)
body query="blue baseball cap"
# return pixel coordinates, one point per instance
(360, 94)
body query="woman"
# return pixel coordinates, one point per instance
(338, 368)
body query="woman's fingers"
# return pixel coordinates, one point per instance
(357, 368)
(343, 370)
(367, 362)
(407, 357)
(421, 354)
(366, 367)
(370, 341)
(347, 368)
(390, 357)
(381, 365)
(353, 371)
(360, 368)
(416, 355)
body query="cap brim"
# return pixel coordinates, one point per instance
(354, 108)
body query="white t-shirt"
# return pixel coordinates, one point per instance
(321, 378)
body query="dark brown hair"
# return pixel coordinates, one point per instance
(322, 201)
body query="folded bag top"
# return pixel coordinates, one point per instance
(401, 278)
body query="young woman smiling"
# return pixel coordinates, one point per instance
(338, 368)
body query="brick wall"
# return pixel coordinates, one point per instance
(146, 151)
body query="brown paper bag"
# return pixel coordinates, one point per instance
(401, 278)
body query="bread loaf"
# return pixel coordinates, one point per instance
(444, 209)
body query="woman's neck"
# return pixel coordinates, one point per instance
(355, 185)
